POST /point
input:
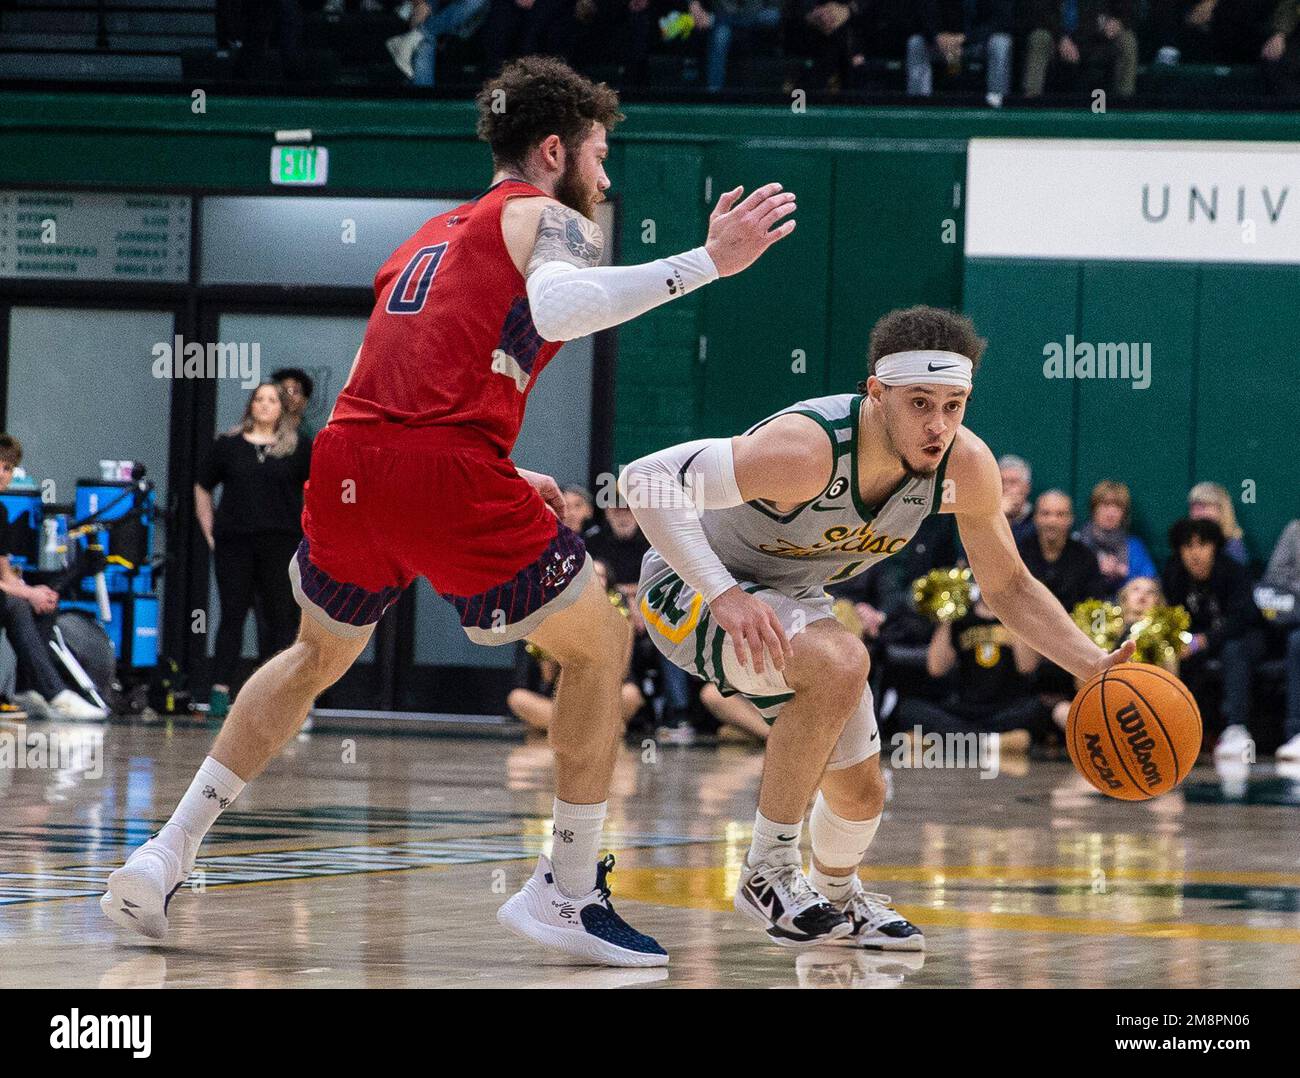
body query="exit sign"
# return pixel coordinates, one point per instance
(299, 166)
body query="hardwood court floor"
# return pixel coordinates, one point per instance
(387, 871)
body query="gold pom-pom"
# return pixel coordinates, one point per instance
(1102, 622)
(1162, 635)
(943, 594)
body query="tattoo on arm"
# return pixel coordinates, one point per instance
(564, 235)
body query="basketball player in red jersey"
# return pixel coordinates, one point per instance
(412, 477)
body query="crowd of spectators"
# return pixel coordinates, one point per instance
(922, 47)
(1241, 658)
(970, 674)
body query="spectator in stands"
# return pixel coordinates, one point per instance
(621, 30)
(1226, 627)
(722, 18)
(579, 510)
(526, 27)
(1208, 31)
(1136, 600)
(1093, 40)
(1065, 565)
(298, 386)
(1017, 482)
(833, 33)
(260, 464)
(1209, 501)
(27, 614)
(1120, 556)
(618, 542)
(991, 692)
(1281, 51)
(951, 31)
(416, 52)
(1068, 569)
(1284, 575)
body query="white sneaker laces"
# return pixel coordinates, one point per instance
(796, 884)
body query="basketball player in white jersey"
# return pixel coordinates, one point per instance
(747, 531)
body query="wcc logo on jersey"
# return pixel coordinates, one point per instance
(839, 540)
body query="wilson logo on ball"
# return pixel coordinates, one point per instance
(1135, 726)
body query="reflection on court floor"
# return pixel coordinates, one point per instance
(386, 870)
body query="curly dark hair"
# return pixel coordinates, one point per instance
(538, 96)
(1207, 531)
(916, 328)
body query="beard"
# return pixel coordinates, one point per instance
(571, 193)
(910, 469)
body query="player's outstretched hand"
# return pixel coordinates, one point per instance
(753, 627)
(741, 231)
(1121, 654)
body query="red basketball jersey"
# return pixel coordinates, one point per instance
(451, 340)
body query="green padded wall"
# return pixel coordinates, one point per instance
(1224, 342)
(1013, 407)
(1141, 437)
(1248, 345)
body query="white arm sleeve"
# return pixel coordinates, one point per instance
(666, 492)
(568, 301)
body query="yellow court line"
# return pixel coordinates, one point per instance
(929, 874)
(706, 888)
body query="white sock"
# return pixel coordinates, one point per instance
(214, 787)
(575, 843)
(774, 843)
(838, 843)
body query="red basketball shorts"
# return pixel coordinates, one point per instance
(387, 503)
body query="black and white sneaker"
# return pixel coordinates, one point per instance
(875, 925)
(790, 909)
(585, 928)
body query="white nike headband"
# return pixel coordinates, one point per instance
(934, 367)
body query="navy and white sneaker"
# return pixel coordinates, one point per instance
(875, 925)
(141, 890)
(586, 928)
(790, 909)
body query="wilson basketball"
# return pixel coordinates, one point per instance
(1134, 731)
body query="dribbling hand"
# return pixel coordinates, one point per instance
(739, 233)
(1121, 654)
(753, 627)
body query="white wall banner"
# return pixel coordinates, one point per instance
(1179, 201)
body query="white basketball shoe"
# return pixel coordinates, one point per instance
(585, 928)
(140, 891)
(875, 925)
(790, 909)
